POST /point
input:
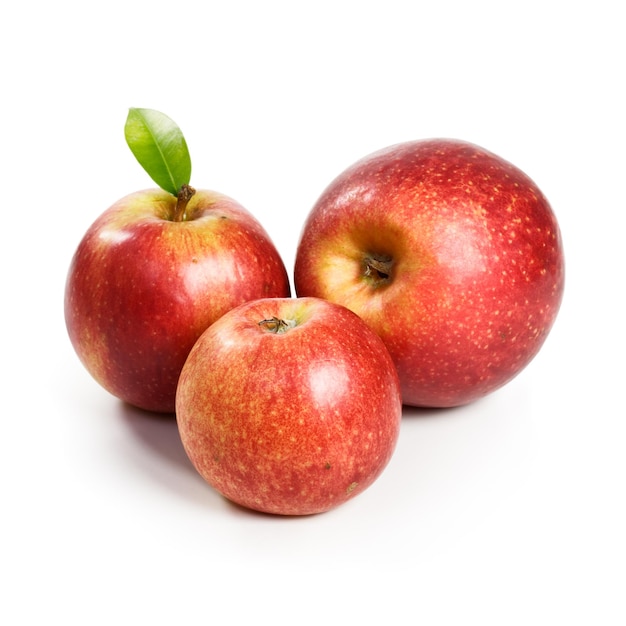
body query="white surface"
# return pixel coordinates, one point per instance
(509, 511)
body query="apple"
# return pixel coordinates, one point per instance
(152, 273)
(450, 253)
(142, 287)
(289, 406)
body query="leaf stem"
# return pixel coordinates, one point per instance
(182, 200)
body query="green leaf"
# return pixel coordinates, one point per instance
(160, 147)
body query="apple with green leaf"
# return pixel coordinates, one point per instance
(158, 267)
(450, 253)
(289, 406)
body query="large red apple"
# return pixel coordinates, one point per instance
(289, 406)
(450, 253)
(142, 287)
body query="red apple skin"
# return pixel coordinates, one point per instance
(474, 271)
(142, 288)
(290, 423)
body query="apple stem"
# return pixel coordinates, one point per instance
(182, 200)
(377, 269)
(276, 325)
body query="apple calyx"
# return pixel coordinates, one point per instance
(377, 269)
(276, 325)
(182, 200)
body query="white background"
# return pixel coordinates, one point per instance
(508, 511)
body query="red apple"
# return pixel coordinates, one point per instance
(450, 253)
(142, 287)
(289, 406)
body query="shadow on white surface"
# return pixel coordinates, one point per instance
(157, 433)
(155, 449)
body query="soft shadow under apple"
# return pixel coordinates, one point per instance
(160, 454)
(418, 412)
(157, 432)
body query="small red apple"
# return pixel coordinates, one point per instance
(153, 271)
(450, 253)
(289, 406)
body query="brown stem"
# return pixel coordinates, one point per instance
(377, 268)
(276, 325)
(184, 195)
